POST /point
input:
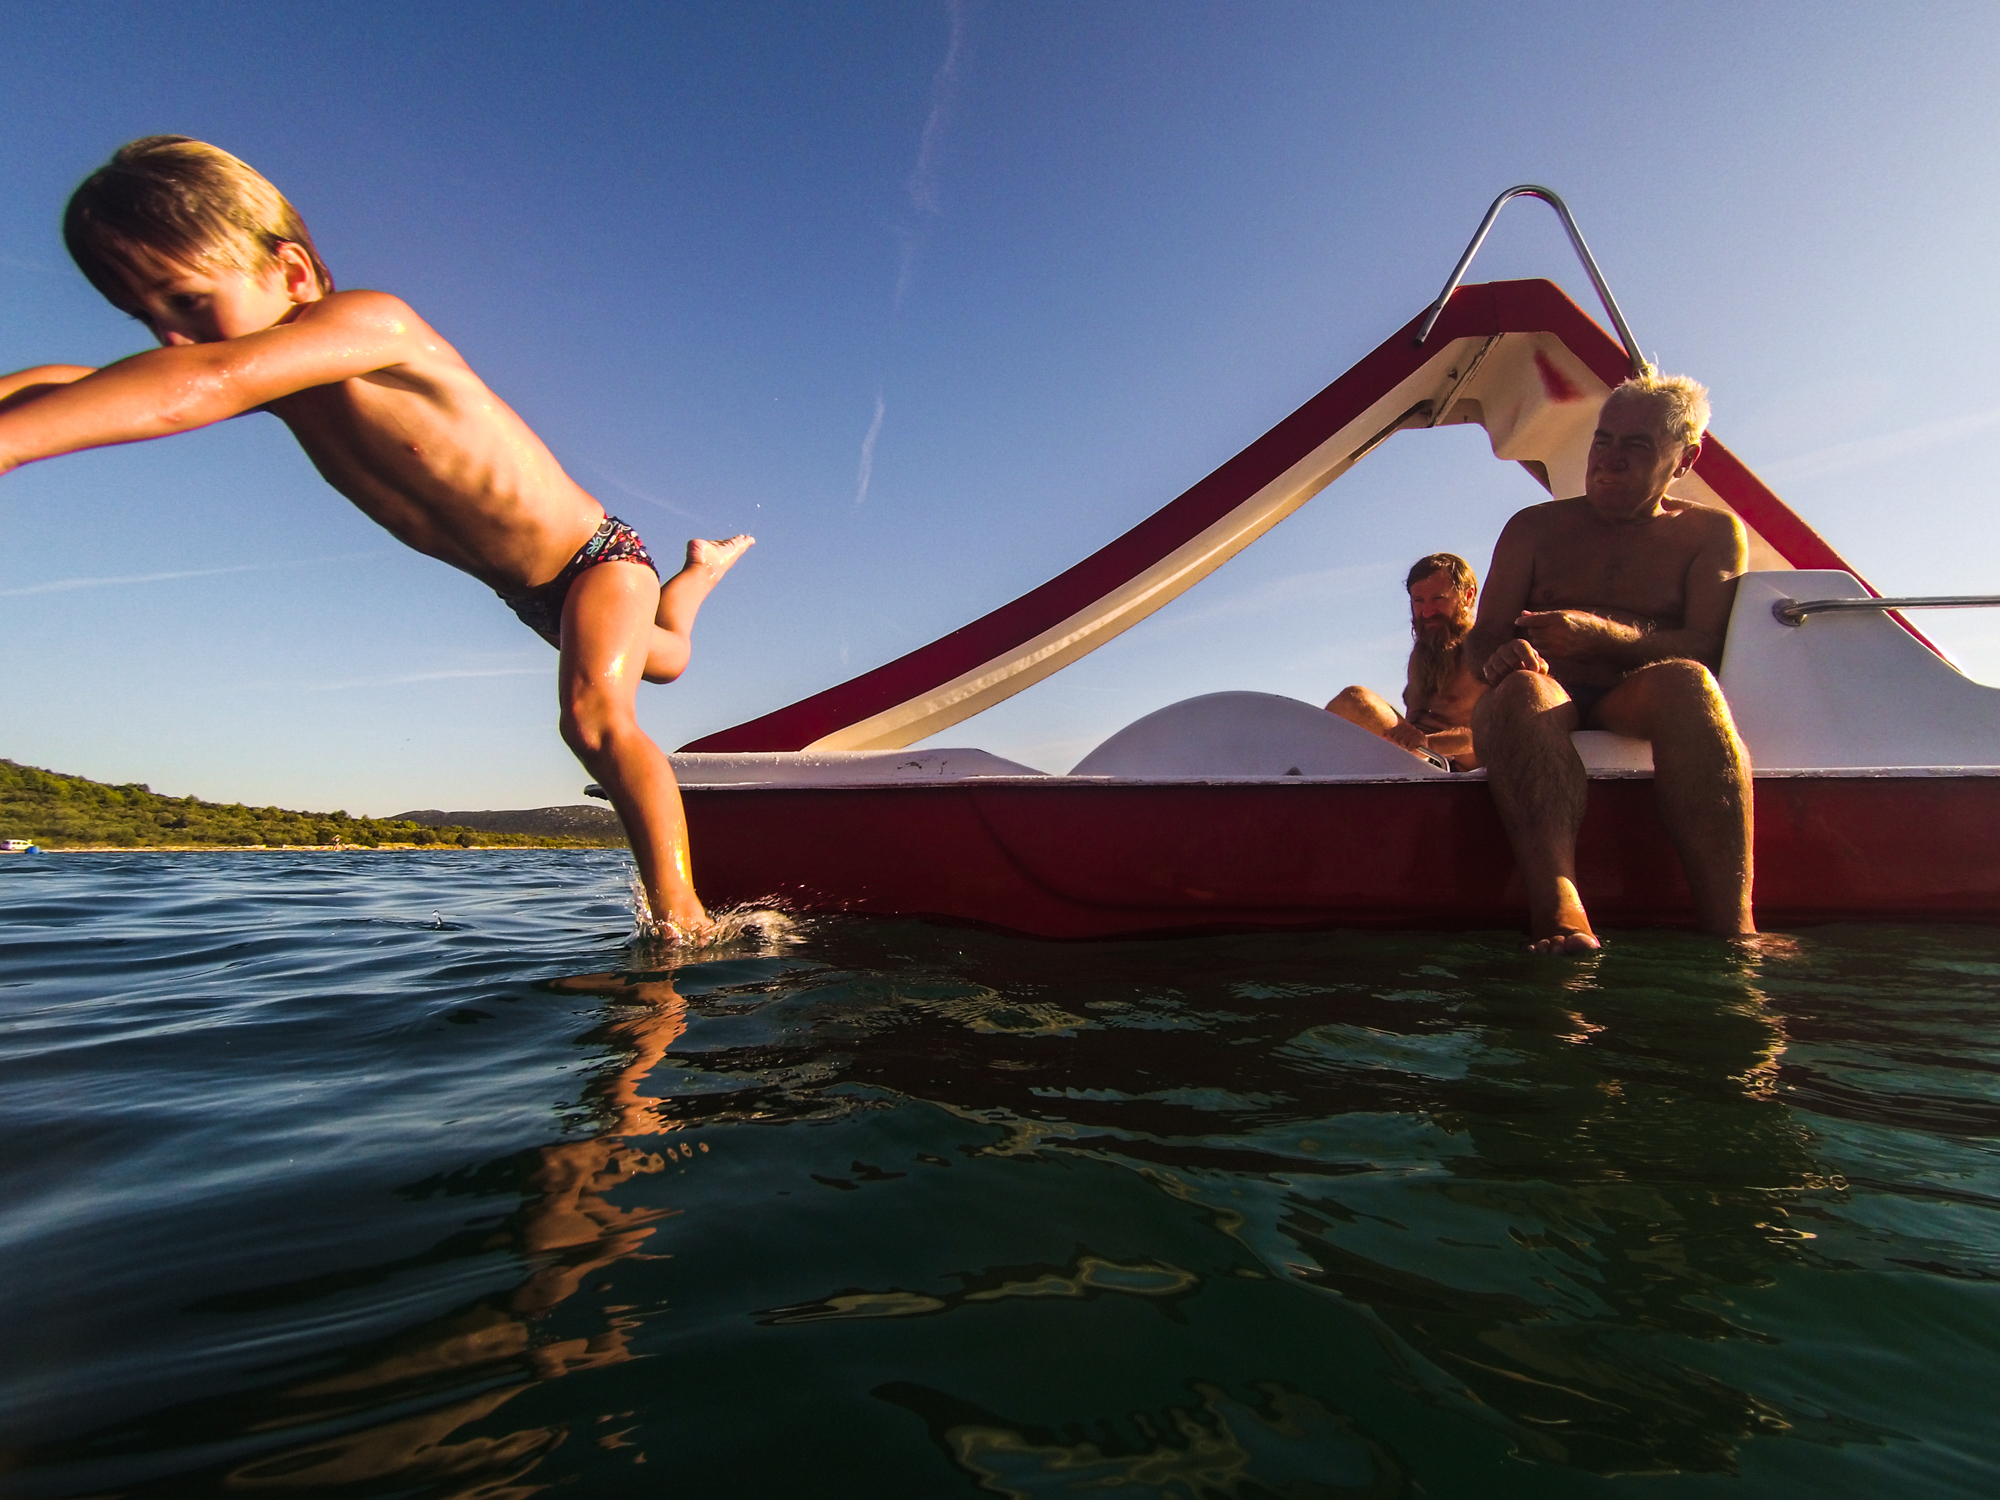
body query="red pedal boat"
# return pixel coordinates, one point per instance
(1877, 761)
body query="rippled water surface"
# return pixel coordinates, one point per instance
(380, 1174)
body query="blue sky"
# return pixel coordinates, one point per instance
(937, 298)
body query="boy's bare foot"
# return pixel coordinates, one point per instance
(681, 597)
(690, 933)
(717, 557)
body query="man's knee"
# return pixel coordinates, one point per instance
(1682, 678)
(1675, 702)
(1517, 696)
(1678, 691)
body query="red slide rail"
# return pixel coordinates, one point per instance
(1477, 311)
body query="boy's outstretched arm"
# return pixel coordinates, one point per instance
(164, 391)
(24, 386)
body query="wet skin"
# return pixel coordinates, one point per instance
(396, 421)
(1626, 589)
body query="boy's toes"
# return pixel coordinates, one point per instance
(718, 555)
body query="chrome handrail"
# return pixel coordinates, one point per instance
(1794, 611)
(1548, 196)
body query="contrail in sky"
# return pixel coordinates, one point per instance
(400, 678)
(922, 188)
(867, 471)
(636, 493)
(1874, 450)
(64, 585)
(1295, 588)
(922, 184)
(923, 177)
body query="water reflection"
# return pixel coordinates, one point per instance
(1279, 1443)
(567, 1226)
(1567, 1203)
(1265, 1181)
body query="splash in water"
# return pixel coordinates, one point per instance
(762, 926)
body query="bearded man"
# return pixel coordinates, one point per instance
(1441, 687)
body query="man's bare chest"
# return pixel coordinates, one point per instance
(1453, 701)
(1637, 576)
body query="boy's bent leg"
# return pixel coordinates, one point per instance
(680, 598)
(606, 629)
(1522, 729)
(1701, 777)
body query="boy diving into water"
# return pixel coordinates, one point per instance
(211, 258)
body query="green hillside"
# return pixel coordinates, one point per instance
(70, 812)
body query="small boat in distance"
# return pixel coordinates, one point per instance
(18, 846)
(1877, 763)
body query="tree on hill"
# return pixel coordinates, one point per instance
(61, 811)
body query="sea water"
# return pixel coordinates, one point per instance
(407, 1174)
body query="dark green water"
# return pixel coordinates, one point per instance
(360, 1175)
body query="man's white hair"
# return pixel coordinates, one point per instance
(1684, 399)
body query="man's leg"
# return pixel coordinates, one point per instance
(1701, 776)
(1360, 705)
(608, 624)
(680, 597)
(1522, 729)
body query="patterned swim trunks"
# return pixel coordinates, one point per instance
(541, 608)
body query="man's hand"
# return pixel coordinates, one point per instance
(1513, 656)
(1407, 735)
(1564, 634)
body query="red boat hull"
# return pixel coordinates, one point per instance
(1071, 860)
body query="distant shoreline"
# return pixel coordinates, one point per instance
(73, 814)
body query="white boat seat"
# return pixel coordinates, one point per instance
(1248, 736)
(1849, 689)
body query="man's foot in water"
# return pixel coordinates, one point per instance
(1568, 930)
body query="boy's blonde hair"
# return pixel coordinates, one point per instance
(180, 200)
(1685, 400)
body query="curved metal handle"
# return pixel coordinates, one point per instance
(1548, 196)
(1794, 611)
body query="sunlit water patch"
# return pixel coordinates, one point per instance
(376, 1174)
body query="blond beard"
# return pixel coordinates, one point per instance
(1434, 659)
